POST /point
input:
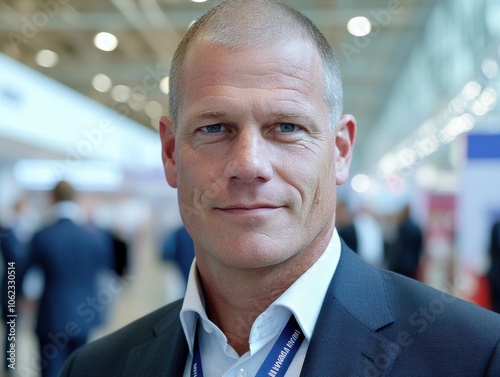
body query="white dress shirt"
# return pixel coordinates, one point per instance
(303, 299)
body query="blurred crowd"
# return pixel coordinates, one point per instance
(70, 264)
(423, 250)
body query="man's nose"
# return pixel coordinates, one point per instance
(250, 157)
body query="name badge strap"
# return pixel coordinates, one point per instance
(284, 349)
(277, 361)
(196, 368)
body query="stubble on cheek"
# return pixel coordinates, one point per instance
(195, 200)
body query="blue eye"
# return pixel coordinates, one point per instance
(287, 127)
(214, 128)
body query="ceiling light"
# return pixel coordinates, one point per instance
(407, 157)
(360, 183)
(165, 84)
(489, 96)
(101, 83)
(153, 109)
(490, 68)
(46, 58)
(457, 106)
(359, 26)
(105, 41)
(198, 1)
(135, 105)
(120, 93)
(471, 90)
(387, 164)
(137, 99)
(479, 108)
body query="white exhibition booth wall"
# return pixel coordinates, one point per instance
(100, 150)
(37, 110)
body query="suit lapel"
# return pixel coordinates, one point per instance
(345, 342)
(162, 355)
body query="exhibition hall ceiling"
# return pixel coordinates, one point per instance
(57, 38)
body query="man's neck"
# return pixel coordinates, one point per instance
(235, 298)
(234, 304)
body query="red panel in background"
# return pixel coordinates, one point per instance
(438, 267)
(481, 295)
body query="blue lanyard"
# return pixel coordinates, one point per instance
(196, 369)
(277, 361)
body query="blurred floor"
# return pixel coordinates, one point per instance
(150, 284)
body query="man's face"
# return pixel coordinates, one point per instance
(254, 157)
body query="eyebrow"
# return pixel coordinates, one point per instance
(208, 114)
(287, 114)
(219, 114)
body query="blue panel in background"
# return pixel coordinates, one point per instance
(483, 146)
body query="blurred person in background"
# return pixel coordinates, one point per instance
(178, 253)
(256, 145)
(404, 250)
(120, 253)
(14, 235)
(70, 255)
(344, 222)
(13, 258)
(9, 249)
(360, 228)
(179, 249)
(370, 240)
(494, 271)
(23, 221)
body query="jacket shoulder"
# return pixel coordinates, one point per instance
(410, 297)
(437, 331)
(108, 356)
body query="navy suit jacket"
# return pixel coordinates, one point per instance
(372, 323)
(70, 257)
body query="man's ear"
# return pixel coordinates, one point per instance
(344, 141)
(167, 136)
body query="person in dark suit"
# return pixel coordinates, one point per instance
(255, 145)
(404, 252)
(179, 248)
(70, 256)
(493, 275)
(120, 253)
(344, 221)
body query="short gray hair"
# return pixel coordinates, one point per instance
(256, 23)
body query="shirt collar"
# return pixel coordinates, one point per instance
(297, 299)
(304, 298)
(193, 306)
